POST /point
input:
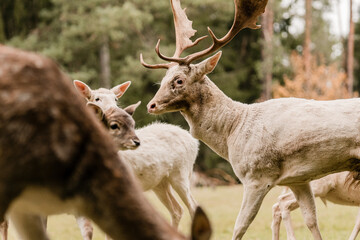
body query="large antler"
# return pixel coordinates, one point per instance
(246, 14)
(183, 33)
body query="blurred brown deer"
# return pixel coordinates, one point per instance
(56, 157)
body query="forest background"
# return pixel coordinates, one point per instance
(99, 42)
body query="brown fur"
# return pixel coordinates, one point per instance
(45, 142)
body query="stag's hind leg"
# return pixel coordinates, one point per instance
(305, 199)
(166, 196)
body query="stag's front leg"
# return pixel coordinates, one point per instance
(254, 194)
(356, 228)
(305, 199)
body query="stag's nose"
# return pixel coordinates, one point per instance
(151, 107)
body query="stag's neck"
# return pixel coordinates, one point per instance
(213, 117)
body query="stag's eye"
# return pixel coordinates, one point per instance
(97, 99)
(179, 81)
(114, 126)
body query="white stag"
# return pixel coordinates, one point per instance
(55, 157)
(278, 142)
(339, 188)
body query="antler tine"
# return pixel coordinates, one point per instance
(176, 59)
(246, 14)
(183, 33)
(154, 66)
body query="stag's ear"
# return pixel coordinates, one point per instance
(83, 89)
(200, 227)
(120, 89)
(208, 65)
(98, 112)
(131, 109)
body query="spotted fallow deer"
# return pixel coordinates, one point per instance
(338, 188)
(56, 157)
(163, 162)
(285, 141)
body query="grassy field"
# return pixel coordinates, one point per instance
(222, 205)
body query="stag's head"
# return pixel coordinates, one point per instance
(183, 79)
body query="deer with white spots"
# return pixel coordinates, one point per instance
(285, 141)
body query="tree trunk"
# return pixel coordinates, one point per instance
(350, 53)
(307, 42)
(267, 51)
(105, 70)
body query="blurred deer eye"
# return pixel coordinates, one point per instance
(114, 126)
(179, 81)
(97, 99)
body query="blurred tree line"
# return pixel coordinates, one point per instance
(99, 42)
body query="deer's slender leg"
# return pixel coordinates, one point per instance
(305, 199)
(86, 228)
(276, 221)
(288, 203)
(4, 229)
(163, 192)
(252, 199)
(356, 228)
(182, 186)
(29, 227)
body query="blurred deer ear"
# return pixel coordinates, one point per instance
(200, 227)
(131, 109)
(98, 112)
(83, 89)
(209, 64)
(120, 89)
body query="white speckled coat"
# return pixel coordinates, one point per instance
(166, 152)
(164, 159)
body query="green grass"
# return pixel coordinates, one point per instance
(222, 205)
